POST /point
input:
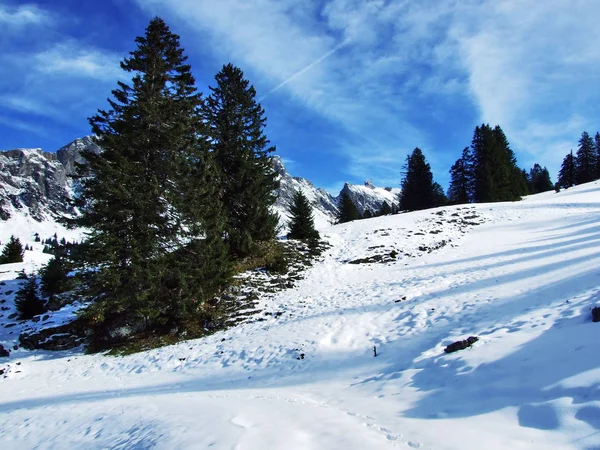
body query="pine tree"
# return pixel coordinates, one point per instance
(55, 277)
(418, 190)
(495, 176)
(347, 210)
(460, 178)
(150, 203)
(27, 300)
(12, 252)
(439, 197)
(587, 160)
(242, 151)
(302, 223)
(539, 180)
(567, 172)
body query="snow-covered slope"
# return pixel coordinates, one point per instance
(522, 276)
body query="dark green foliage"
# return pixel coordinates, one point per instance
(12, 252)
(54, 277)
(567, 172)
(439, 197)
(302, 223)
(460, 178)
(418, 189)
(495, 176)
(27, 300)
(539, 180)
(347, 210)
(247, 177)
(152, 193)
(587, 160)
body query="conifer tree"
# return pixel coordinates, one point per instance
(597, 148)
(439, 197)
(247, 176)
(27, 300)
(55, 277)
(418, 190)
(567, 172)
(150, 202)
(347, 210)
(460, 178)
(587, 160)
(539, 180)
(302, 222)
(495, 175)
(12, 252)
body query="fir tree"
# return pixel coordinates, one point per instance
(539, 180)
(587, 160)
(55, 277)
(460, 178)
(302, 223)
(567, 172)
(27, 300)
(151, 194)
(12, 252)
(439, 197)
(418, 190)
(347, 210)
(242, 151)
(494, 171)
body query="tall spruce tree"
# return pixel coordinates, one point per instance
(587, 160)
(418, 190)
(539, 180)
(242, 151)
(460, 178)
(347, 210)
(567, 172)
(495, 174)
(302, 222)
(154, 244)
(12, 252)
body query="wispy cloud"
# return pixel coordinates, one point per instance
(23, 15)
(393, 74)
(70, 59)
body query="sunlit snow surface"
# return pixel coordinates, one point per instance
(524, 281)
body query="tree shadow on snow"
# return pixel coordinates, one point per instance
(518, 379)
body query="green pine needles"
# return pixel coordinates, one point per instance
(181, 185)
(302, 223)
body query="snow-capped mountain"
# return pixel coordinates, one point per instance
(34, 184)
(369, 197)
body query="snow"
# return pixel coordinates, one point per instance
(521, 276)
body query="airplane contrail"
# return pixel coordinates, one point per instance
(304, 70)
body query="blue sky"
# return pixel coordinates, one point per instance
(350, 87)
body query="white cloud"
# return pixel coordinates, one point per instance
(73, 60)
(380, 69)
(23, 15)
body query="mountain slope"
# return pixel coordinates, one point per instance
(521, 276)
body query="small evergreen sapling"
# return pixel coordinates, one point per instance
(302, 224)
(27, 300)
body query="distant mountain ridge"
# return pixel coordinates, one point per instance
(35, 183)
